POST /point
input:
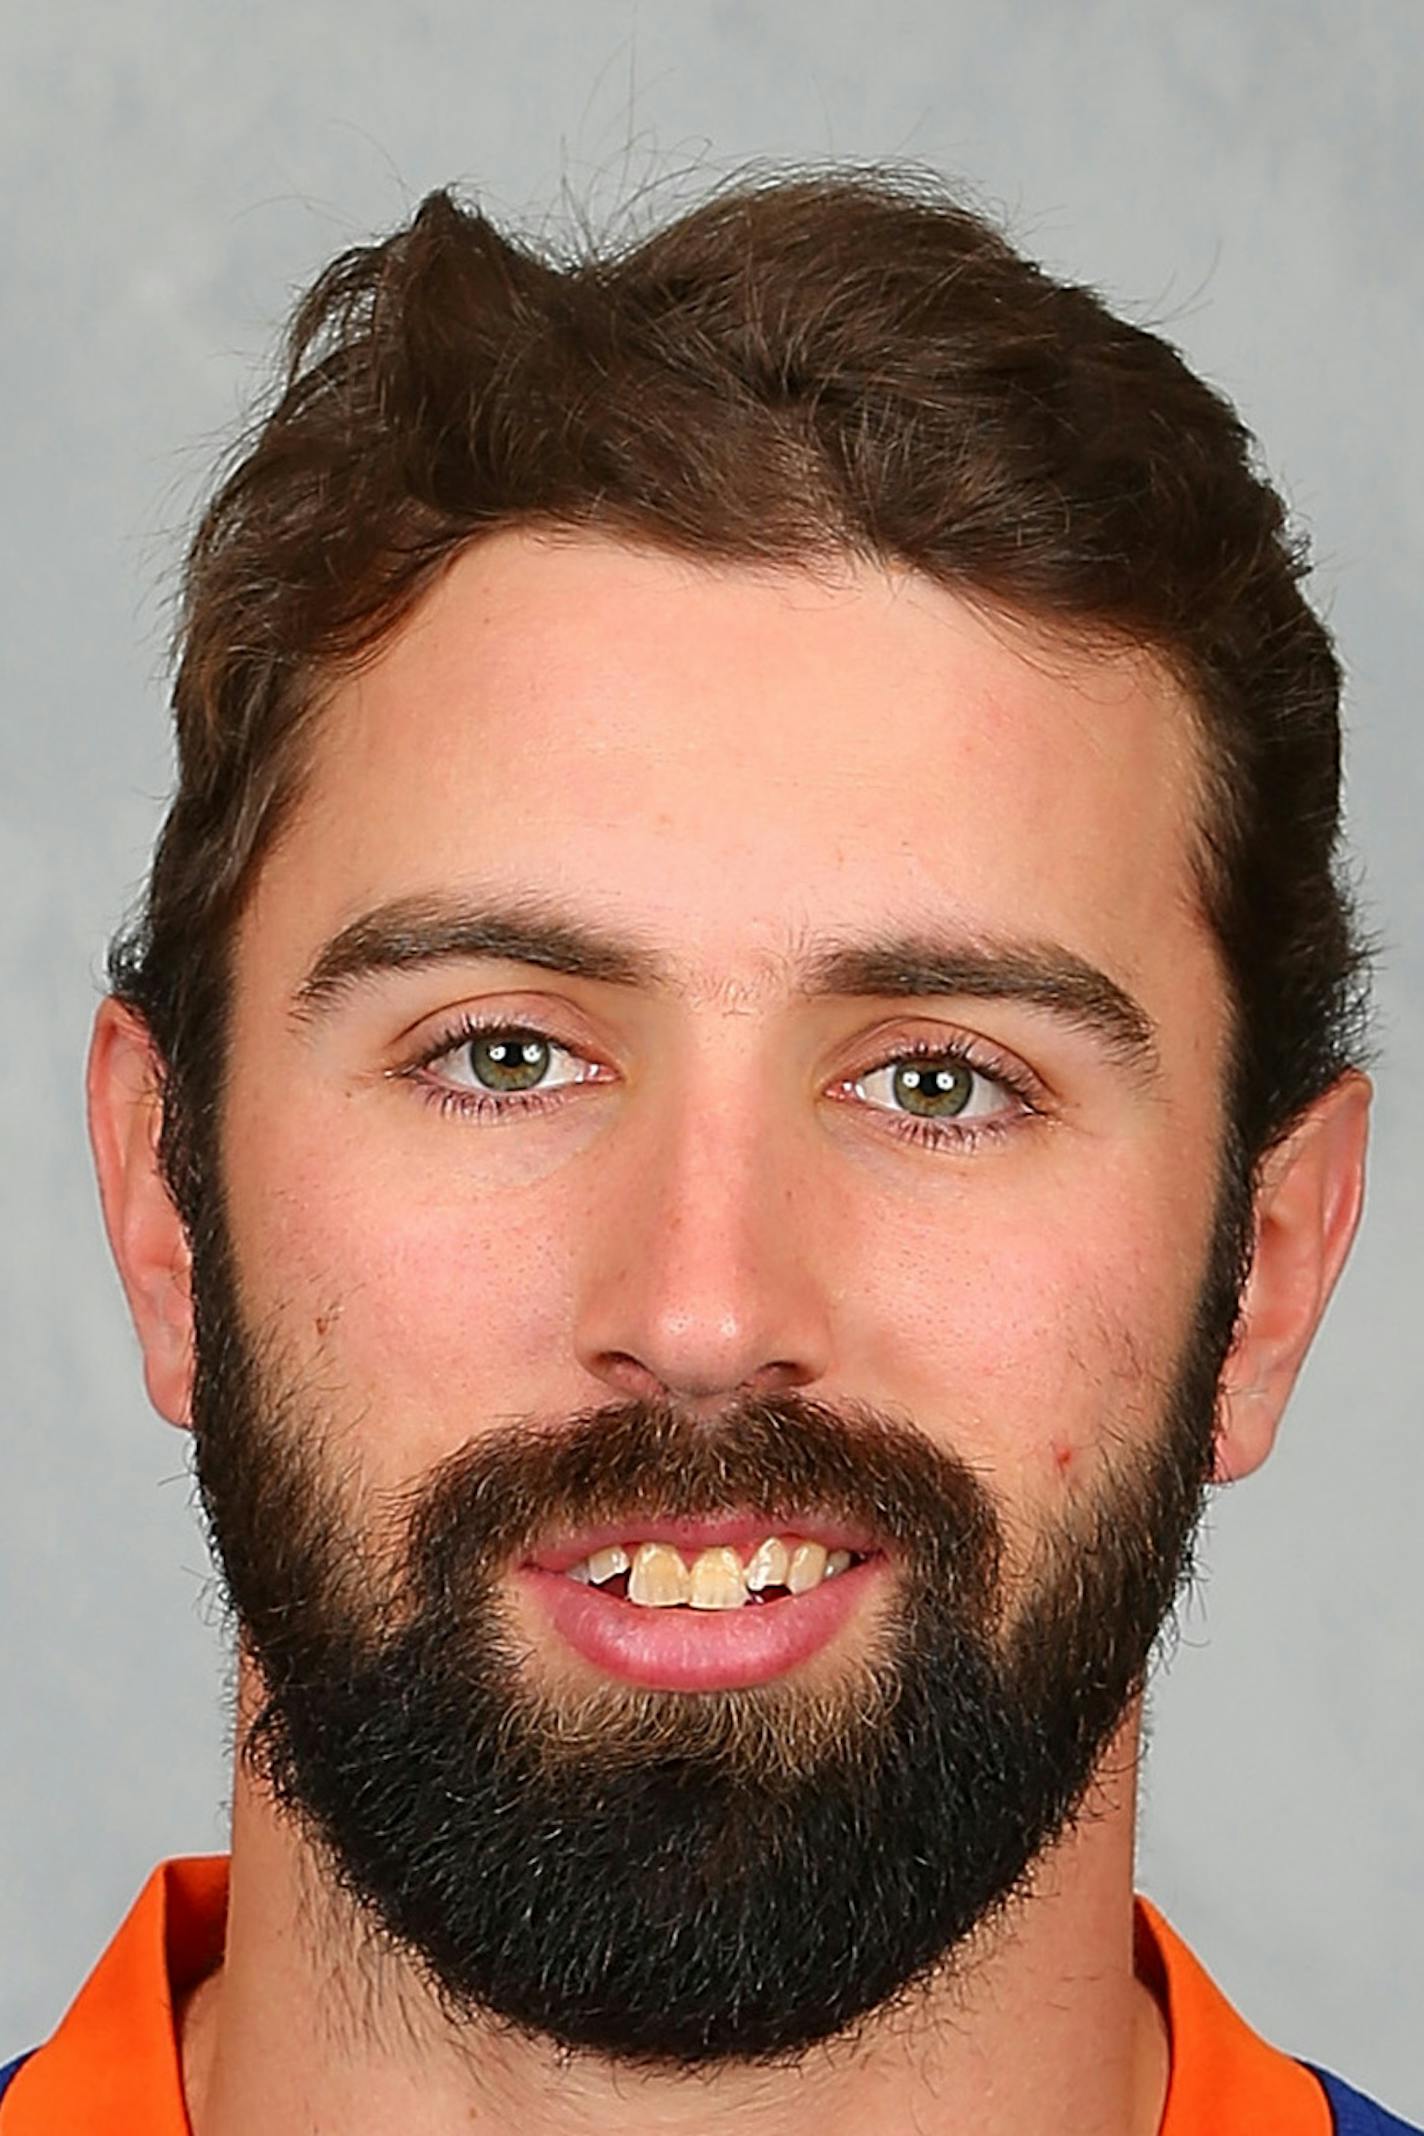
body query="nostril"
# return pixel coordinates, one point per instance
(629, 1375)
(709, 1391)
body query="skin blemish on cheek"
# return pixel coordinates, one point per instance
(1063, 1456)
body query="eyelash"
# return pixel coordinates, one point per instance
(489, 1106)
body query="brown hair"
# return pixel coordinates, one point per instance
(798, 368)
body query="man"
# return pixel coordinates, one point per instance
(739, 1081)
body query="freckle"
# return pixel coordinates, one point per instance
(326, 1319)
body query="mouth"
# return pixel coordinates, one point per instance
(703, 1605)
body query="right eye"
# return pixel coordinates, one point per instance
(491, 1069)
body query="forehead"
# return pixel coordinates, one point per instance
(720, 755)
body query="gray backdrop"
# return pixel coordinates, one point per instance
(1247, 171)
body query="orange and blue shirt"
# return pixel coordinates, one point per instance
(113, 2066)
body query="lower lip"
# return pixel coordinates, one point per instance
(698, 1649)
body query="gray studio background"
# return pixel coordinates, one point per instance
(1247, 172)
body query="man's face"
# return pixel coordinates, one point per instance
(721, 1046)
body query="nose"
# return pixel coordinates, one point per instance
(702, 1279)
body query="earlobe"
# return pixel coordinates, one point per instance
(145, 1232)
(1307, 1210)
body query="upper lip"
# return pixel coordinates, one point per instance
(734, 1530)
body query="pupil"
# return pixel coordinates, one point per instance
(934, 1092)
(510, 1063)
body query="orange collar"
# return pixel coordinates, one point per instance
(113, 2064)
(1225, 2080)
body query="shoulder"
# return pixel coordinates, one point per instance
(1219, 2064)
(10, 2070)
(1355, 2115)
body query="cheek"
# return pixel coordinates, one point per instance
(1033, 1334)
(445, 1306)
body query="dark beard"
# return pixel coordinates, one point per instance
(680, 1879)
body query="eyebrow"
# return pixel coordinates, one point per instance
(917, 963)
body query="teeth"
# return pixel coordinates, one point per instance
(766, 1567)
(717, 1581)
(603, 1564)
(658, 1577)
(808, 1563)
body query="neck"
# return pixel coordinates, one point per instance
(1048, 2031)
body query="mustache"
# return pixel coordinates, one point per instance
(783, 1456)
(430, 1552)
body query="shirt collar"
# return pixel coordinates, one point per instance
(114, 2062)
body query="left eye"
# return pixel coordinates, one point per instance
(508, 1062)
(939, 1086)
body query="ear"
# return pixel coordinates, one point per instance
(1307, 1209)
(125, 1086)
